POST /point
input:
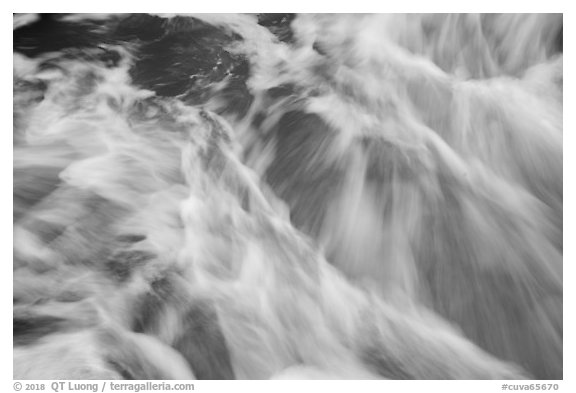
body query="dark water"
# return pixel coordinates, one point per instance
(288, 196)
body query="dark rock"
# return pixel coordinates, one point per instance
(303, 172)
(27, 329)
(203, 345)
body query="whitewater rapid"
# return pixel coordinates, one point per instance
(324, 196)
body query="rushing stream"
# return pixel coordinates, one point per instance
(288, 196)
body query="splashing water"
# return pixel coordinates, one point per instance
(279, 196)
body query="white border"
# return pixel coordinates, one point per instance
(568, 385)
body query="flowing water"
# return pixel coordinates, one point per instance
(279, 196)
